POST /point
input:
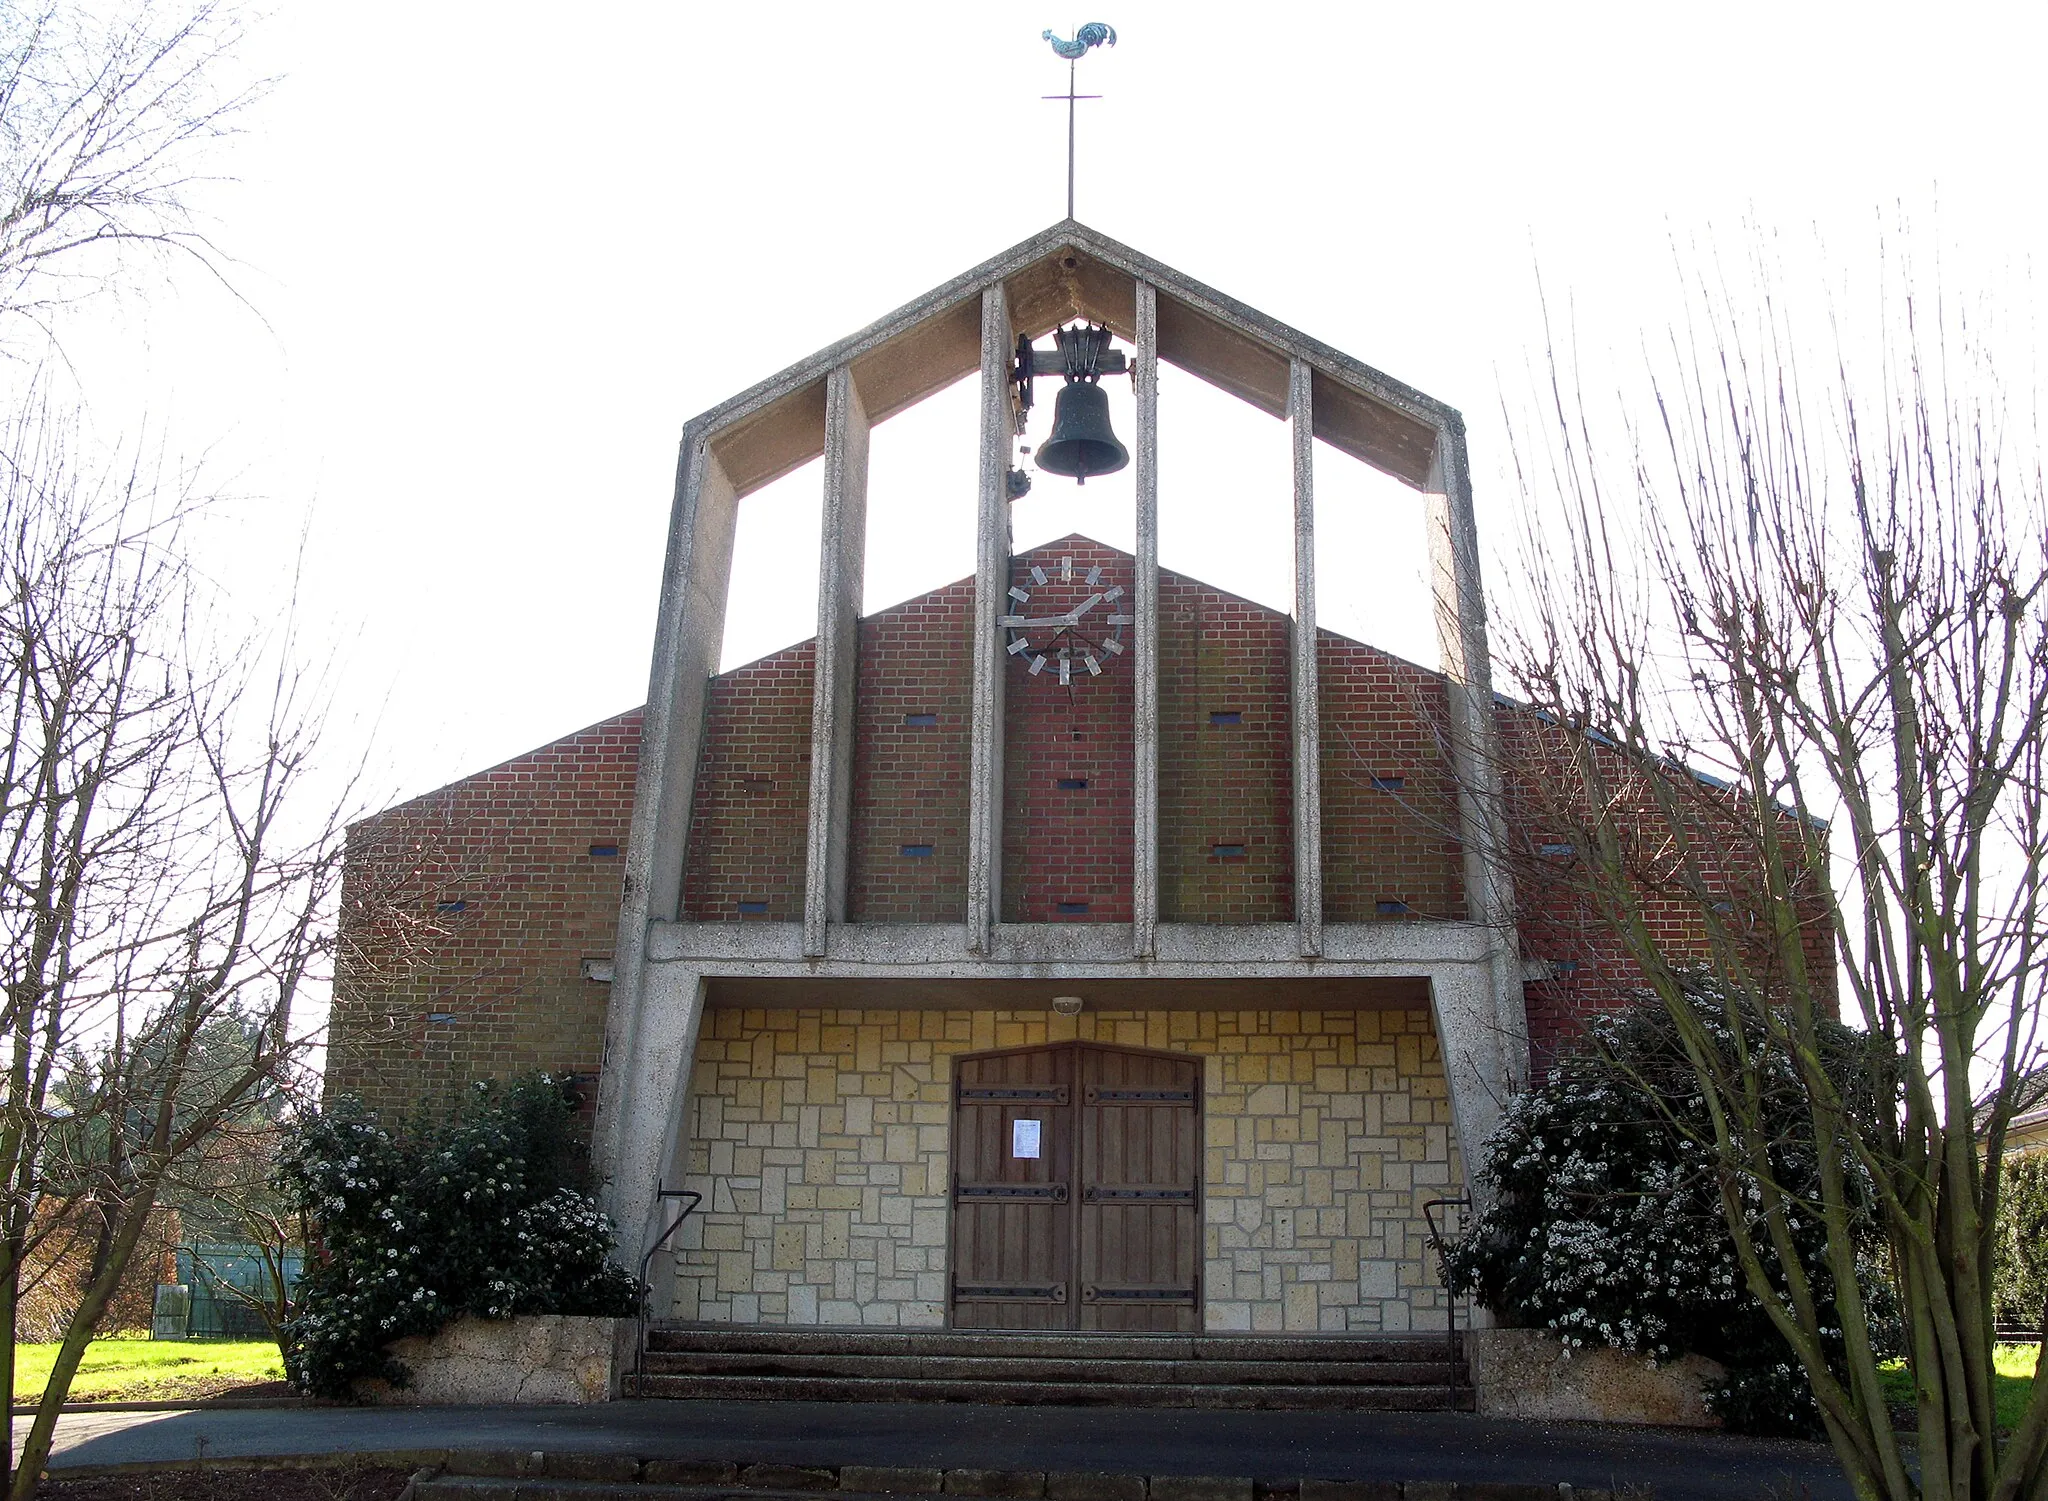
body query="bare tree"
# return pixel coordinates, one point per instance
(159, 869)
(107, 112)
(1785, 615)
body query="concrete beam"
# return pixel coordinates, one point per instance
(1145, 651)
(1307, 699)
(991, 583)
(842, 552)
(689, 633)
(1460, 603)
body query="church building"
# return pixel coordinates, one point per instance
(1074, 948)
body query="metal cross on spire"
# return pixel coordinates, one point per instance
(1094, 34)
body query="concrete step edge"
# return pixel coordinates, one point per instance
(1049, 1368)
(1304, 1348)
(1430, 1398)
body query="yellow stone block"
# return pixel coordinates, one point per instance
(789, 1248)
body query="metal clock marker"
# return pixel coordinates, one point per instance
(1078, 635)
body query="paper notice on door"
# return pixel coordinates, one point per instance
(1024, 1138)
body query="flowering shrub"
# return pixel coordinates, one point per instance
(2020, 1254)
(472, 1214)
(1606, 1226)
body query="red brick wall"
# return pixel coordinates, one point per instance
(1227, 784)
(1069, 845)
(477, 905)
(1557, 919)
(909, 779)
(1390, 830)
(750, 812)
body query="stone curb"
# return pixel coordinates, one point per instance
(863, 1480)
(173, 1404)
(989, 1485)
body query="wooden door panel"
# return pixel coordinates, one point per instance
(1012, 1253)
(1140, 1176)
(1101, 1230)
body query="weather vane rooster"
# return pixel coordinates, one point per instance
(1094, 34)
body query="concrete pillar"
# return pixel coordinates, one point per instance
(1145, 652)
(653, 1148)
(842, 553)
(688, 637)
(1475, 742)
(1308, 737)
(991, 583)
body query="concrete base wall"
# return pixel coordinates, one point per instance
(820, 1141)
(553, 1359)
(1527, 1373)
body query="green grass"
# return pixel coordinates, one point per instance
(2014, 1365)
(146, 1369)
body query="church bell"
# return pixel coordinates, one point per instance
(1082, 442)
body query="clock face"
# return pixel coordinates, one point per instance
(1068, 621)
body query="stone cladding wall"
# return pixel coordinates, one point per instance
(820, 1140)
(466, 917)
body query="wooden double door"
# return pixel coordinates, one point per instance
(1077, 1189)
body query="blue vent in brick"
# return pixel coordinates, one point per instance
(440, 1018)
(752, 909)
(455, 906)
(1073, 784)
(920, 719)
(1555, 851)
(1073, 909)
(1390, 784)
(917, 851)
(1565, 967)
(604, 852)
(1390, 909)
(1227, 716)
(1227, 851)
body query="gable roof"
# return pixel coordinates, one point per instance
(1066, 272)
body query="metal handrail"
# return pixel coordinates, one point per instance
(1440, 1244)
(646, 1287)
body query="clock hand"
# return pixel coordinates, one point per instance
(1074, 615)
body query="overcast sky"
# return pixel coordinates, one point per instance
(501, 253)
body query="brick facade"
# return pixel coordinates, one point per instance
(750, 811)
(1067, 848)
(910, 761)
(469, 912)
(1226, 758)
(467, 915)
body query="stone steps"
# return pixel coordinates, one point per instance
(728, 1338)
(1326, 1373)
(1011, 1369)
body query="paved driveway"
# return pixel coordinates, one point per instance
(1267, 1445)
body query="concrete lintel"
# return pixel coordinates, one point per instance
(689, 631)
(1145, 653)
(1306, 696)
(842, 551)
(1185, 949)
(991, 580)
(771, 427)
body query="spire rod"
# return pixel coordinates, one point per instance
(1093, 34)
